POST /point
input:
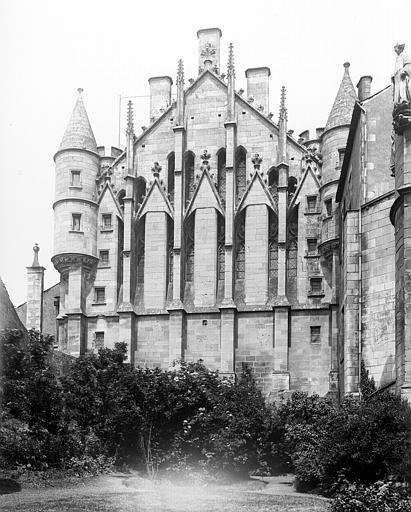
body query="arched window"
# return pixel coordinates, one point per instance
(221, 161)
(189, 248)
(170, 253)
(292, 186)
(292, 254)
(273, 183)
(171, 164)
(140, 241)
(273, 251)
(140, 191)
(240, 247)
(221, 248)
(120, 197)
(240, 172)
(189, 175)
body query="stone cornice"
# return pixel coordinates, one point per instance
(83, 150)
(76, 200)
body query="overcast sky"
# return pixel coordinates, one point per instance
(110, 48)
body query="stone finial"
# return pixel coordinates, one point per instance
(80, 91)
(205, 157)
(156, 169)
(180, 73)
(130, 123)
(256, 160)
(36, 250)
(283, 108)
(231, 67)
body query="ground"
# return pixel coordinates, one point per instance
(121, 493)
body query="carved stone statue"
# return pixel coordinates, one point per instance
(401, 76)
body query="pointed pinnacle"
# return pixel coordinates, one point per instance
(283, 108)
(180, 72)
(130, 124)
(230, 67)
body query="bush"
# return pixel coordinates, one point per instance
(381, 496)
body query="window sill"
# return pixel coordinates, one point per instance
(76, 231)
(315, 294)
(106, 230)
(312, 212)
(99, 303)
(76, 187)
(104, 265)
(311, 255)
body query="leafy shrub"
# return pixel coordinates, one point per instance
(381, 496)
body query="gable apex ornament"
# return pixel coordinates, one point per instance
(401, 90)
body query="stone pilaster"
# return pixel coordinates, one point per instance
(229, 208)
(155, 260)
(256, 254)
(205, 257)
(281, 376)
(282, 230)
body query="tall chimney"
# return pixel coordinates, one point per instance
(35, 286)
(258, 87)
(364, 87)
(209, 49)
(160, 95)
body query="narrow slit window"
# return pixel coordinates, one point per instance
(328, 207)
(76, 222)
(312, 203)
(312, 245)
(316, 285)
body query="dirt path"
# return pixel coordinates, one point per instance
(121, 492)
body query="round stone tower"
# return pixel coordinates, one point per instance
(75, 225)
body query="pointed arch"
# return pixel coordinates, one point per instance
(292, 254)
(120, 197)
(170, 254)
(240, 246)
(221, 175)
(140, 249)
(171, 165)
(240, 171)
(189, 163)
(292, 187)
(141, 188)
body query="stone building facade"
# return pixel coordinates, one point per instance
(217, 235)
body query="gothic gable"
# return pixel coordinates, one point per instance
(257, 193)
(308, 176)
(107, 200)
(205, 195)
(156, 201)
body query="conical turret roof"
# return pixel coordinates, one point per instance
(78, 133)
(344, 102)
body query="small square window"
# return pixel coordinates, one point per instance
(311, 203)
(100, 294)
(104, 257)
(315, 334)
(106, 221)
(76, 222)
(99, 340)
(316, 285)
(329, 207)
(75, 179)
(312, 245)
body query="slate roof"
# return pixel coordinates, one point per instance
(342, 109)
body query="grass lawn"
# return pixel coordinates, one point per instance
(147, 501)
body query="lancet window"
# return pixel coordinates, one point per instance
(221, 248)
(273, 250)
(170, 253)
(221, 178)
(171, 164)
(140, 250)
(292, 254)
(189, 175)
(240, 247)
(140, 191)
(241, 172)
(189, 248)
